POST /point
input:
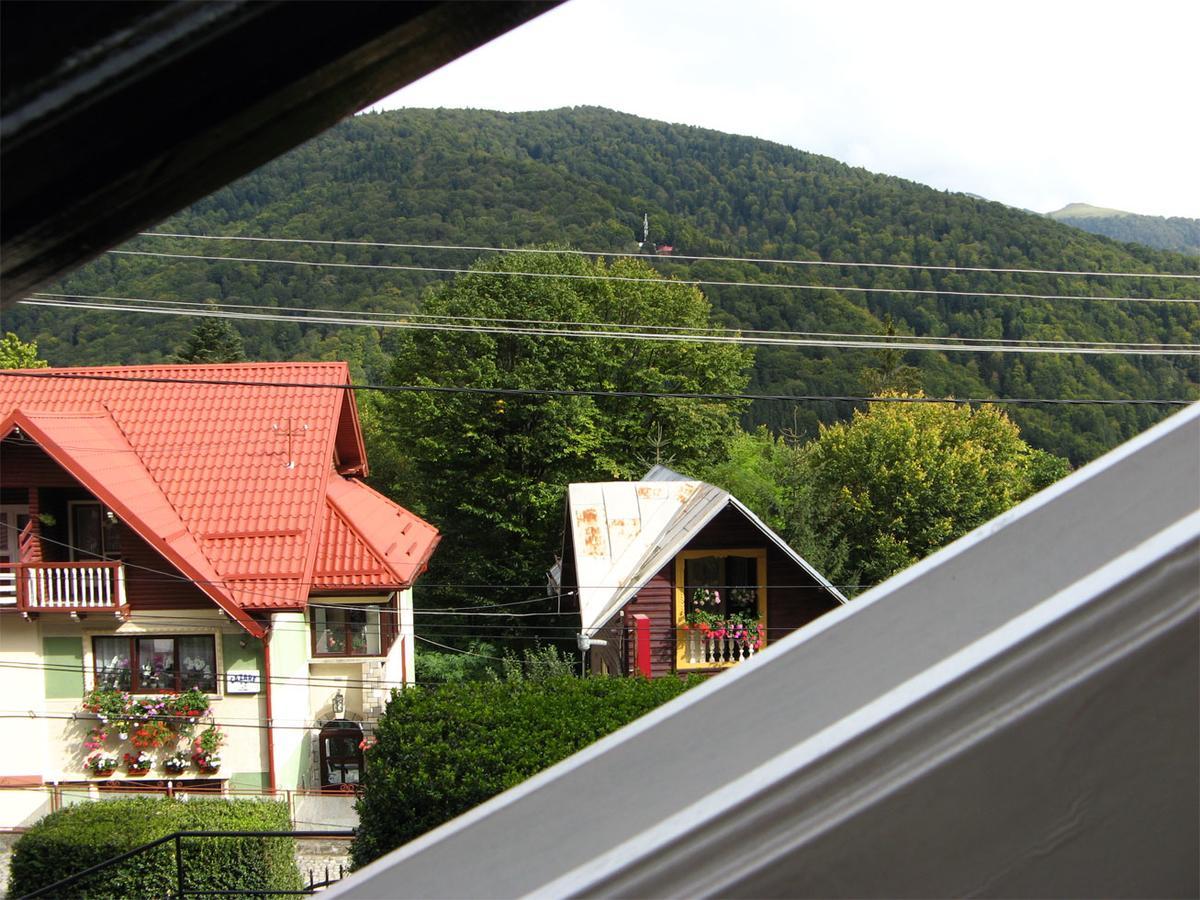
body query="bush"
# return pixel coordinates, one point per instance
(81, 836)
(441, 751)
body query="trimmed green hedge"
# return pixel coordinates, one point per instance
(80, 836)
(444, 750)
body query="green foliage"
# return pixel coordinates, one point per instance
(537, 664)
(441, 752)
(81, 836)
(889, 371)
(760, 472)
(213, 340)
(476, 664)
(1175, 233)
(902, 480)
(17, 354)
(492, 470)
(585, 177)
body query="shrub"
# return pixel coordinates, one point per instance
(81, 836)
(441, 751)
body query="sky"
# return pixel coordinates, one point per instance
(1034, 104)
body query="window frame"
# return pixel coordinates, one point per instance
(135, 686)
(389, 628)
(759, 554)
(105, 530)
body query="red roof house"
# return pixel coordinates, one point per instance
(161, 523)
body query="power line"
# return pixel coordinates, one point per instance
(609, 254)
(614, 331)
(449, 270)
(573, 392)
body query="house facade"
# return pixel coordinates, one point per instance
(199, 537)
(674, 575)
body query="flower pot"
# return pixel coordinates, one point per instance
(136, 771)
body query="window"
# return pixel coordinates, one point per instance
(720, 607)
(341, 755)
(352, 630)
(94, 531)
(721, 585)
(146, 665)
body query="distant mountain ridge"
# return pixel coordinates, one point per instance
(584, 177)
(1176, 233)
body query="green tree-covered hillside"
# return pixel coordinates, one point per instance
(585, 177)
(1175, 233)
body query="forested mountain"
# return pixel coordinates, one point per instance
(584, 177)
(1174, 233)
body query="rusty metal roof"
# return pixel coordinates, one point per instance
(623, 532)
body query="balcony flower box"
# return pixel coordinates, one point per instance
(139, 763)
(101, 765)
(177, 763)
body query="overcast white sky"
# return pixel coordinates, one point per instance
(1035, 104)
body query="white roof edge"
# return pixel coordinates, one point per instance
(625, 593)
(787, 548)
(1097, 540)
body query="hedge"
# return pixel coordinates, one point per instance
(441, 751)
(80, 836)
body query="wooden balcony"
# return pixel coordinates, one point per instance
(70, 587)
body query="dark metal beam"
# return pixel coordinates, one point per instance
(115, 115)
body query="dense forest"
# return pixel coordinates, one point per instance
(1174, 233)
(584, 178)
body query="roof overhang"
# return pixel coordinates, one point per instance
(1013, 716)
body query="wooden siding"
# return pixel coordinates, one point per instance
(151, 582)
(793, 596)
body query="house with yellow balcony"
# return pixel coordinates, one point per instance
(674, 575)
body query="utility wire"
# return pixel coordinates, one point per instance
(613, 331)
(448, 270)
(609, 254)
(572, 392)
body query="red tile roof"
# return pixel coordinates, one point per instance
(234, 483)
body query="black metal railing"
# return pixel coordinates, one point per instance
(56, 889)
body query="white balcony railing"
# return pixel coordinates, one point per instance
(717, 647)
(64, 587)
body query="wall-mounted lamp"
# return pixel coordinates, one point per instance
(339, 705)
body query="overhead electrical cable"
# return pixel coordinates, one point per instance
(879, 342)
(448, 270)
(572, 392)
(480, 324)
(656, 256)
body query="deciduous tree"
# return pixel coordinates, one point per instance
(903, 479)
(490, 469)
